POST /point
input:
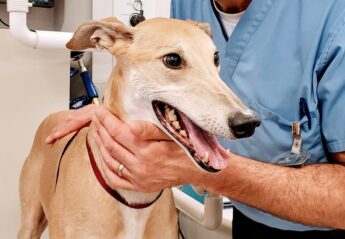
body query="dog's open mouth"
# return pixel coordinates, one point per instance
(202, 146)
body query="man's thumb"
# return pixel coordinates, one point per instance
(147, 130)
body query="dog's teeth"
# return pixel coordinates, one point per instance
(176, 125)
(172, 116)
(183, 133)
(205, 159)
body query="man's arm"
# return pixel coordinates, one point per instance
(312, 195)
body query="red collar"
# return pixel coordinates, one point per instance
(112, 192)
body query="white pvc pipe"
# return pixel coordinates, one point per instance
(18, 10)
(49, 39)
(20, 31)
(210, 215)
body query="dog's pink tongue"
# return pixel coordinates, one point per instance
(204, 143)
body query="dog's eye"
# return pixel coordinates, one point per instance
(173, 61)
(216, 58)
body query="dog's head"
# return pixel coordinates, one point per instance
(169, 72)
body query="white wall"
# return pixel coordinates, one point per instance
(33, 84)
(69, 14)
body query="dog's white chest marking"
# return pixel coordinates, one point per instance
(134, 222)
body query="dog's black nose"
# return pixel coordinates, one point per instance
(243, 125)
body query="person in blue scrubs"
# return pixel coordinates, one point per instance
(286, 61)
(284, 58)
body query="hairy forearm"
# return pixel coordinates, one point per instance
(312, 195)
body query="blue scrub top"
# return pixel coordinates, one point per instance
(282, 51)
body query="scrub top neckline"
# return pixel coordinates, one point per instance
(231, 16)
(219, 20)
(245, 29)
(229, 20)
(233, 47)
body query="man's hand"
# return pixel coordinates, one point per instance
(152, 160)
(75, 120)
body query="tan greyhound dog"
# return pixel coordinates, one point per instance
(166, 73)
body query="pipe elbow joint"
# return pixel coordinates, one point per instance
(20, 30)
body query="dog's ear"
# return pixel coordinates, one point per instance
(202, 25)
(103, 34)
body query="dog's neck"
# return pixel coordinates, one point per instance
(121, 100)
(124, 101)
(113, 94)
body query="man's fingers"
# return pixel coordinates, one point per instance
(123, 133)
(148, 131)
(75, 120)
(112, 163)
(113, 180)
(114, 126)
(112, 148)
(54, 135)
